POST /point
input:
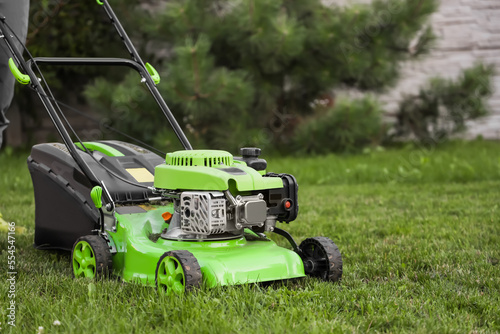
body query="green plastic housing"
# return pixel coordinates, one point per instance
(228, 262)
(210, 170)
(23, 79)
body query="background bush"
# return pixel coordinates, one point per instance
(443, 106)
(348, 126)
(246, 72)
(68, 28)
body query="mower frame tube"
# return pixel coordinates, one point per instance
(128, 63)
(49, 106)
(149, 81)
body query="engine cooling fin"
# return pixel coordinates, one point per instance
(204, 158)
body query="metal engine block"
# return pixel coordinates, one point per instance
(213, 215)
(203, 212)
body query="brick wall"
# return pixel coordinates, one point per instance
(468, 31)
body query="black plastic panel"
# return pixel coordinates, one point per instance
(62, 215)
(276, 198)
(64, 210)
(56, 157)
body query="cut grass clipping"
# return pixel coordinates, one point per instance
(419, 230)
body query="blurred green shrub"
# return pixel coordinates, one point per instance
(244, 72)
(348, 126)
(74, 28)
(443, 106)
(69, 28)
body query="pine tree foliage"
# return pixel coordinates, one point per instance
(250, 64)
(67, 28)
(64, 28)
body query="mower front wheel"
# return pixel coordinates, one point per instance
(321, 259)
(177, 271)
(91, 257)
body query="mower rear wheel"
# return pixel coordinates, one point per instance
(321, 258)
(91, 257)
(177, 271)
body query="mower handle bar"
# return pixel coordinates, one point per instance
(87, 61)
(121, 62)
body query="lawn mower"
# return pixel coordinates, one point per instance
(193, 218)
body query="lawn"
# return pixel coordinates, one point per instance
(419, 230)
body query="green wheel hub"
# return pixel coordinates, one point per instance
(171, 276)
(177, 271)
(84, 263)
(91, 257)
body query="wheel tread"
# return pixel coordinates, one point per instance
(190, 266)
(334, 273)
(104, 262)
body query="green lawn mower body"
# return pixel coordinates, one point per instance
(134, 233)
(246, 259)
(180, 221)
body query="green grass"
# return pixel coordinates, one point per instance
(420, 242)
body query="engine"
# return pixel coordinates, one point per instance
(221, 196)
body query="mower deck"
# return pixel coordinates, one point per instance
(222, 262)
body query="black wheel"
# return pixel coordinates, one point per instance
(321, 258)
(177, 272)
(91, 257)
